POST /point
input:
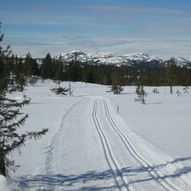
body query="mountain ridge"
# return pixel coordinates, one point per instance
(121, 59)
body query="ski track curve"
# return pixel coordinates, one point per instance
(167, 185)
(56, 138)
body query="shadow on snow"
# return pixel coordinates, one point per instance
(94, 180)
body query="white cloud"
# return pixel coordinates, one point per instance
(128, 9)
(164, 48)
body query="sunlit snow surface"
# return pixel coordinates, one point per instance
(91, 147)
(3, 184)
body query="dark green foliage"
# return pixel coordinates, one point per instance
(11, 119)
(155, 91)
(138, 90)
(116, 85)
(171, 73)
(30, 66)
(162, 75)
(47, 67)
(167, 75)
(60, 91)
(59, 70)
(11, 116)
(4, 69)
(152, 73)
(140, 94)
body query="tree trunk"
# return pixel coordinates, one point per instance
(2, 165)
(171, 89)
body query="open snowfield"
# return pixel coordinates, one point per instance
(90, 146)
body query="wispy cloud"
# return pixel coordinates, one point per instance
(95, 42)
(60, 27)
(128, 9)
(116, 44)
(184, 21)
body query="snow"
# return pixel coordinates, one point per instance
(91, 147)
(3, 184)
(182, 62)
(108, 58)
(163, 121)
(118, 59)
(45, 111)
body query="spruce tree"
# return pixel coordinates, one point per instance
(30, 66)
(59, 70)
(11, 116)
(47, 67)
(171, 73)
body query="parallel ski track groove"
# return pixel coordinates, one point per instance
(109, 157)
(166, 185)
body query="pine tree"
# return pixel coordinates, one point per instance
(171, 73)
(30, 66)
(116, 86)
(142, 95)
(140, 88)
(46, 67)
(11, 116)
(59, 70)
(18, 73)
(138, 91)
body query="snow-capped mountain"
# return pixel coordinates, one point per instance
(139, 59)
(109, 58)
(75, 55)
(182, 62)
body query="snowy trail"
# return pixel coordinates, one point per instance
(167, 185)
(123, 157)
(95, 150)
(114, 166)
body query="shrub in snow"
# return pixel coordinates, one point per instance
(60, 91)
(186, 88)
(178, 93)
(140, 94)
(116, 85)
(155, 91)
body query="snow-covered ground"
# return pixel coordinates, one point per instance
(90, 146)
(3, 184)
(163, 121)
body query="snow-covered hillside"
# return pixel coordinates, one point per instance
(182, 62)
(90, 146)
(109, 58)
(117, 59)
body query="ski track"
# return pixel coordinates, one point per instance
(113, 165)
(104, 122)
(167, 185)
(56, 141)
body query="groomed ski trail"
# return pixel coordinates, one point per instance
(120, 181)
(166, 184)
(95, 150)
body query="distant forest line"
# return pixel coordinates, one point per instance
(169, 74)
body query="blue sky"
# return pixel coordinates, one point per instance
(161, 28)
